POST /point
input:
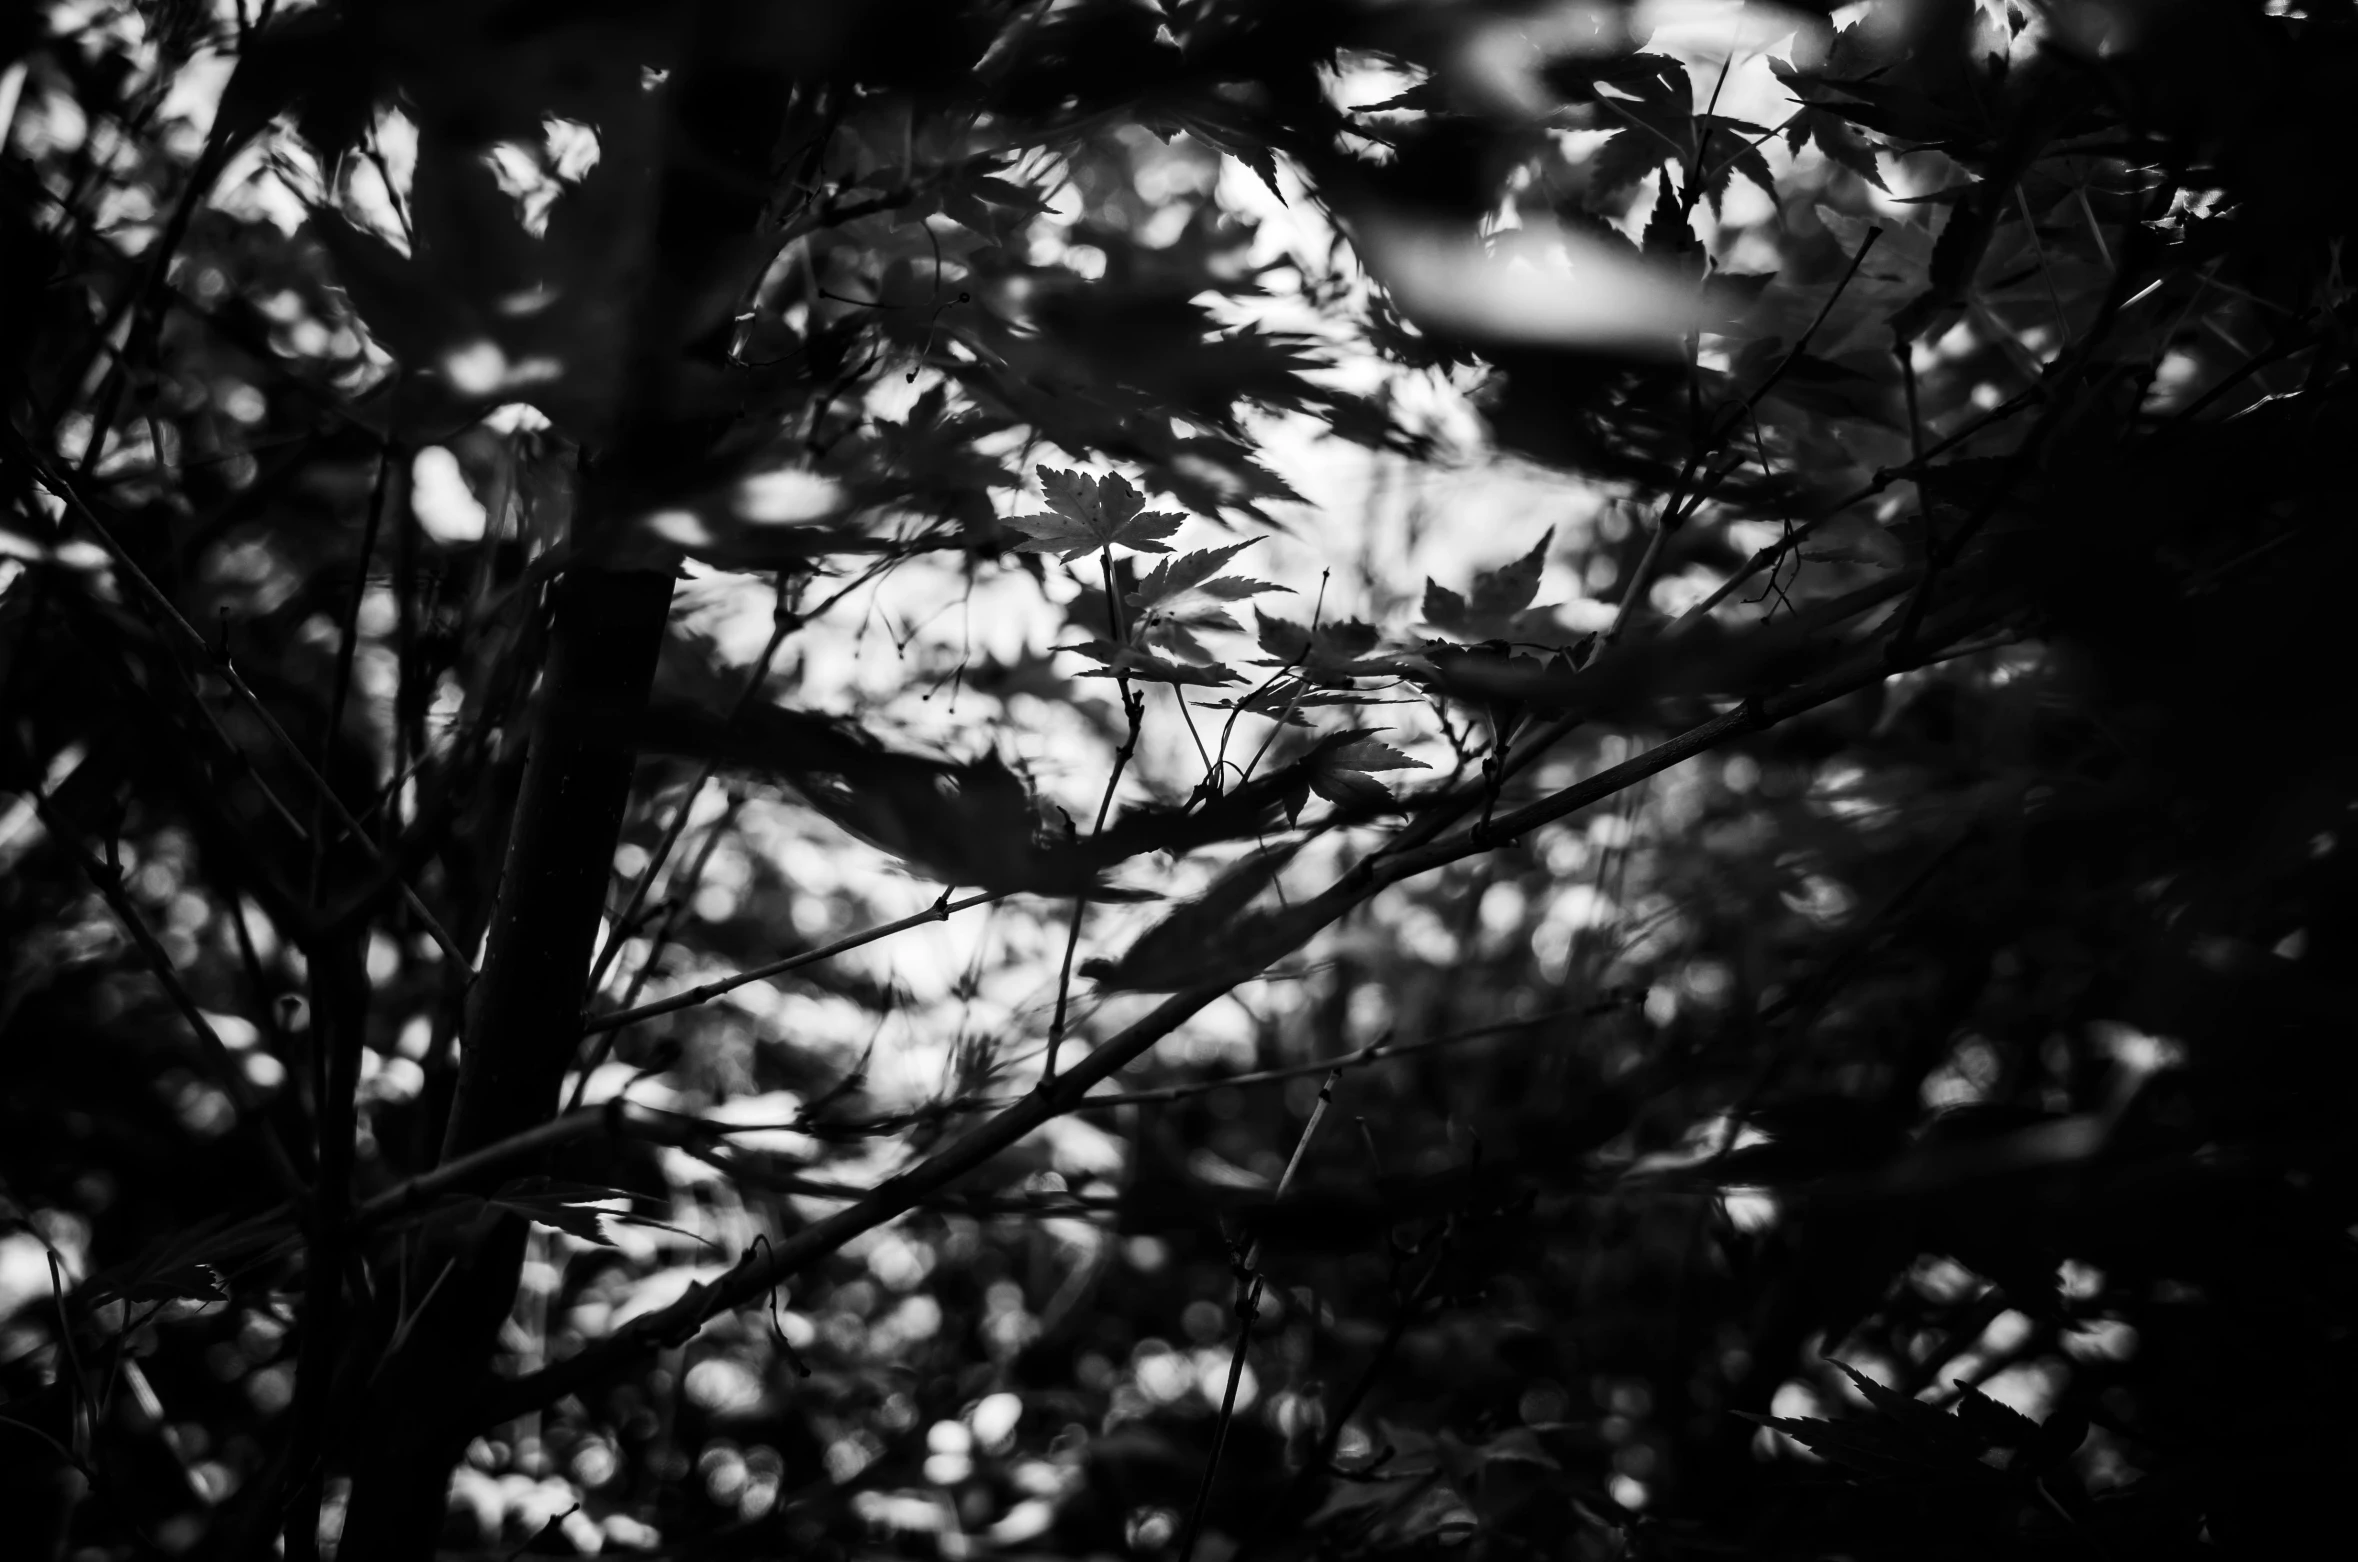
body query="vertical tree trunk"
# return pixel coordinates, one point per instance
(523, 1025)
(725, 110)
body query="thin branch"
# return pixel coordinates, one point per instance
(2070, 369)
(1382, 1050)
(1134, 710)
(339, 1019)
(1686, 502)
(192, 641)
(1758, 393)
(2030, 226)
(235, 758)
(1711, 176)
(1795, 536)
(939, 911)
(1640, 585)
(626, 921)
(621, 1117)
(1378, 1051)
(697, 1136)
(471, 1169)
(1248, 1309)
(107, 879)
(604, 1046)
(1411, 1308)
(782, 624)
(347, 647)
(1051, 1099)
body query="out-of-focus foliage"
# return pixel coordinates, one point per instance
(1833, 931)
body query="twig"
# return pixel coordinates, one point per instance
(339, 1017)
(463, 1171)
(1758, 393)
(1678, 510)
(1321, 1459)
(1378, 1051)
(107, 879)
(1753, 145)
(347, 647)
(1796, 536)
(603, 1047)
(782, 624)
(2054, 299)
(1134, 708)
(1640, 585)
(1053, 1098)
(1248, 1308)
(939, 911)
(50, 479)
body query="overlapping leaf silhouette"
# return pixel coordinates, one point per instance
(1086, 514)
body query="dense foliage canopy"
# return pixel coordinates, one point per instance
(1368, 778)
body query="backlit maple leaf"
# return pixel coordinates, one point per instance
(1085, 515)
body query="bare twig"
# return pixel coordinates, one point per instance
(107, 879)
(1250, 1284)
(1378, 1051)
(347, 647)
(1794, 537)
(1053, 1098)
(1134, 709)
(782, 625)
(57, 484)
(939, 911)
(603, 1047)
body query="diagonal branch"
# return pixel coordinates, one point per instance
(939, 911)
(626, 920)
(108, 880)
(763, 1270)
(57, 484)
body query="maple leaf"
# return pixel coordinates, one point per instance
(1343, 773)
(975, 823)
(1324, 654)
(1498, 603)
(1287, 698)
(1732, 147)
(1174, 635)
(1086, 515)
(1214, 933)
(1899, 1436)
(1999, 1425)
(574, 1208)
(1655, 104)
(189, 1282)
(1669, 239)
(1025, 673)
(165, 1295)
(1174, 579)
(1443, 608)
(1365, 753)
(1622, 161)
(1239, 142)
(1183, 594)
(1510, 588)
(1130, 661)
(1841, 143)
